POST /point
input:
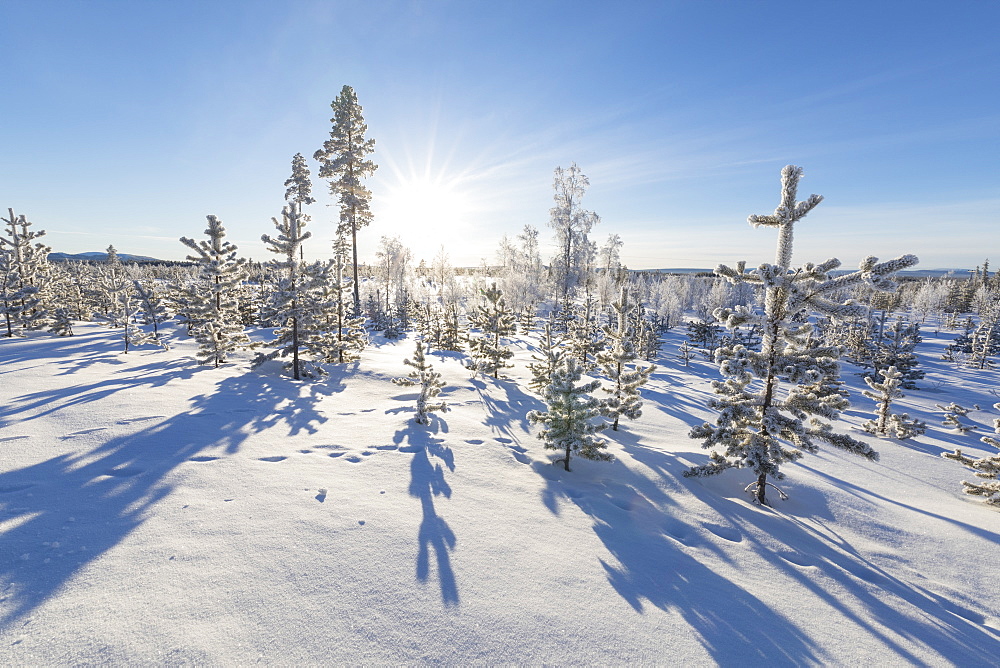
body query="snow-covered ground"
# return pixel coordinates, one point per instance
(153, 510)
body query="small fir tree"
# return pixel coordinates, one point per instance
(23, 263)
(758, 427)
(953, 414)
(884, 393)
(625, 399)
(987, 468)
(430, 383)
(569, 423)
(550, 357)
(211, 304)
(495, 319)
(289, 302)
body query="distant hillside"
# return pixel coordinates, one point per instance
(100, 257)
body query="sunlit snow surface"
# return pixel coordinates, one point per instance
(156, 511)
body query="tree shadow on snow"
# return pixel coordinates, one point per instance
(647, 565)
(426, 482)
(513, 409)
(66, 512)
(795, 540)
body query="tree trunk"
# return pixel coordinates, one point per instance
(761, 488)
(295, 343)
(354, 249)
(566, 460)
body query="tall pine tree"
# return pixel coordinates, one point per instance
(344, 163)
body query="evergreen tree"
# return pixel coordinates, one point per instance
(343, 162)
(894, 346)
(430, 383)
(152, 304)
(22, 269)
(299, 190)
(685, 352)
(495, 320)
(705, 335)
(758, 427)
(883, 393)
(585, 337)
(214, 309)
(339, 337)
(568, 424)
(953, 414)
(549, 359)
(987, 468)
(123, 312)
(289, 303)
(614, 360)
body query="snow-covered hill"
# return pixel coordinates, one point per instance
(154, 511)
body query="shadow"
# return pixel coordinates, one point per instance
(64, 513)
(799, 542)
(426, 482)
(503, 414)
(652, 562)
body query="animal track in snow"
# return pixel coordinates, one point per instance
(503, 440)
(10, 489)
(82, 432)
(354, 459)
(336, 454)
(273, 458)
(139, 419)
(14, 438)
(124, 471)
(796, 558)
(474, 441)
(305, 451)
(202, 458)
(386, 447)
(726, 533)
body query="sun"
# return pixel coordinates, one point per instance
(426, 211)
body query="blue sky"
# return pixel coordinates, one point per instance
(126, 123)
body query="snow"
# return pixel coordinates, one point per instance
(153, 510)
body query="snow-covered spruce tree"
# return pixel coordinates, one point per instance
(883, 393)
(454, 334)
(572, 224)
(430, 383)
(585, 338)
(214, 309)
(22, 270)
(894, 345)
(495, 320)
(290, 300)
(704, 335)
(758, 426)
(550, 357)
(569, 423)
(152, 305)
(953, 414)
(338, 337)
(984, 467)
(984, 341)
(343, 162)
(119, 289)
(299, 189)
(625, 399)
